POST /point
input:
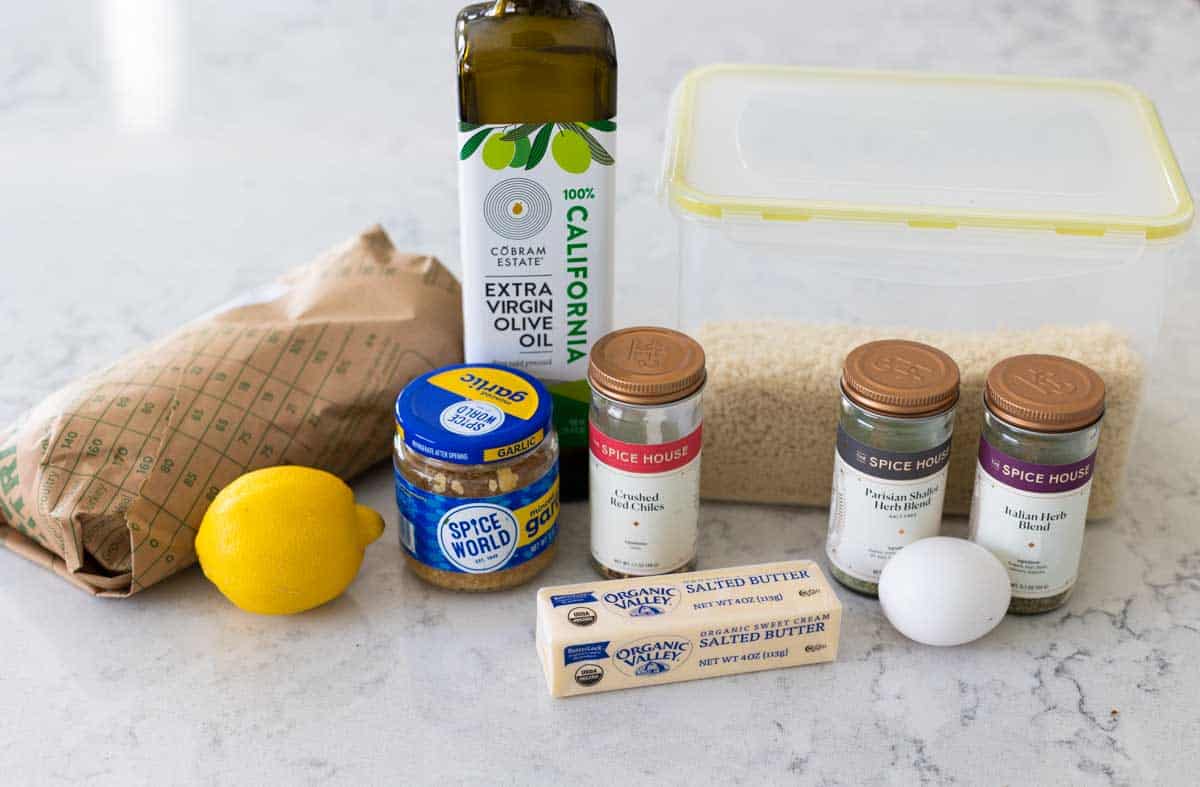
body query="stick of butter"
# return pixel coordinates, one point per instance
(600, 636)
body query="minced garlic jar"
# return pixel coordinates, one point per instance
(476, 461)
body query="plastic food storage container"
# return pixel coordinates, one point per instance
(986, 216)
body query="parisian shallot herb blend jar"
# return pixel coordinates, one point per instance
(644, 437)
(476, 461)
(1037, 456)
(893, 447)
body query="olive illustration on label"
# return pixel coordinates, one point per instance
(571, 152)
(497, 151)
(573, 146)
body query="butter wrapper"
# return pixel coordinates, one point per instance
(620, 634)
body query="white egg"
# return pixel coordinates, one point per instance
(944, 591)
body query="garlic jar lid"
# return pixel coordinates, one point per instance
(472, 414)
(646, 365)
(1045, 393)
(901, 378)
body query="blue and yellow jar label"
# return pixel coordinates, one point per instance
(481, 535)
(473, 414)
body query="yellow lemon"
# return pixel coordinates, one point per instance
(284, 539)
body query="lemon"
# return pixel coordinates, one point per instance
(284, 539)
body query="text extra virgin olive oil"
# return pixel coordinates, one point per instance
(537, 98)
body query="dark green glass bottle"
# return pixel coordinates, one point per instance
(537, 98)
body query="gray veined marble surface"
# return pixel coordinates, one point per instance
(158, 157)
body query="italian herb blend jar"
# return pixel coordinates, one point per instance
(476, 466)
(893, 447)
(644, 442)
(1037, 456)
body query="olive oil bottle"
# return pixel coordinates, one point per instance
(537, 101)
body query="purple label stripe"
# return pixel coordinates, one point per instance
(1030, 477)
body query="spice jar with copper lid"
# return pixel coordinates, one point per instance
(644, 437)
(1037, 457)
(893, 448)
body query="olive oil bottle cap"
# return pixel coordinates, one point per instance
(1045, 393)
(646, 366)
(900, 378)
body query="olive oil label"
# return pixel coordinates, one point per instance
(1031, 517)
(645, 503)
(882, 501)
(535, 204)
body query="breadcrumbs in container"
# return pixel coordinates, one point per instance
(984, 222)
(771, 412)
(476, 470)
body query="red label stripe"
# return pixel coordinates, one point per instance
(646, 459)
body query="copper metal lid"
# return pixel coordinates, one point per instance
(1045, 393)
(646, 365)
(900, 378)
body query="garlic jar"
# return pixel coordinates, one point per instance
(476, 473)
(893, 451)
(644, 438)
(1037, 458)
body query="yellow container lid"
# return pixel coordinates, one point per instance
(932, 150)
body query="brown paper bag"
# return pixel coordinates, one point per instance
(106, 481)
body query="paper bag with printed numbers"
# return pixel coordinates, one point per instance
(106, 481)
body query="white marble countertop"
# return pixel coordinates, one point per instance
(158, 157)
